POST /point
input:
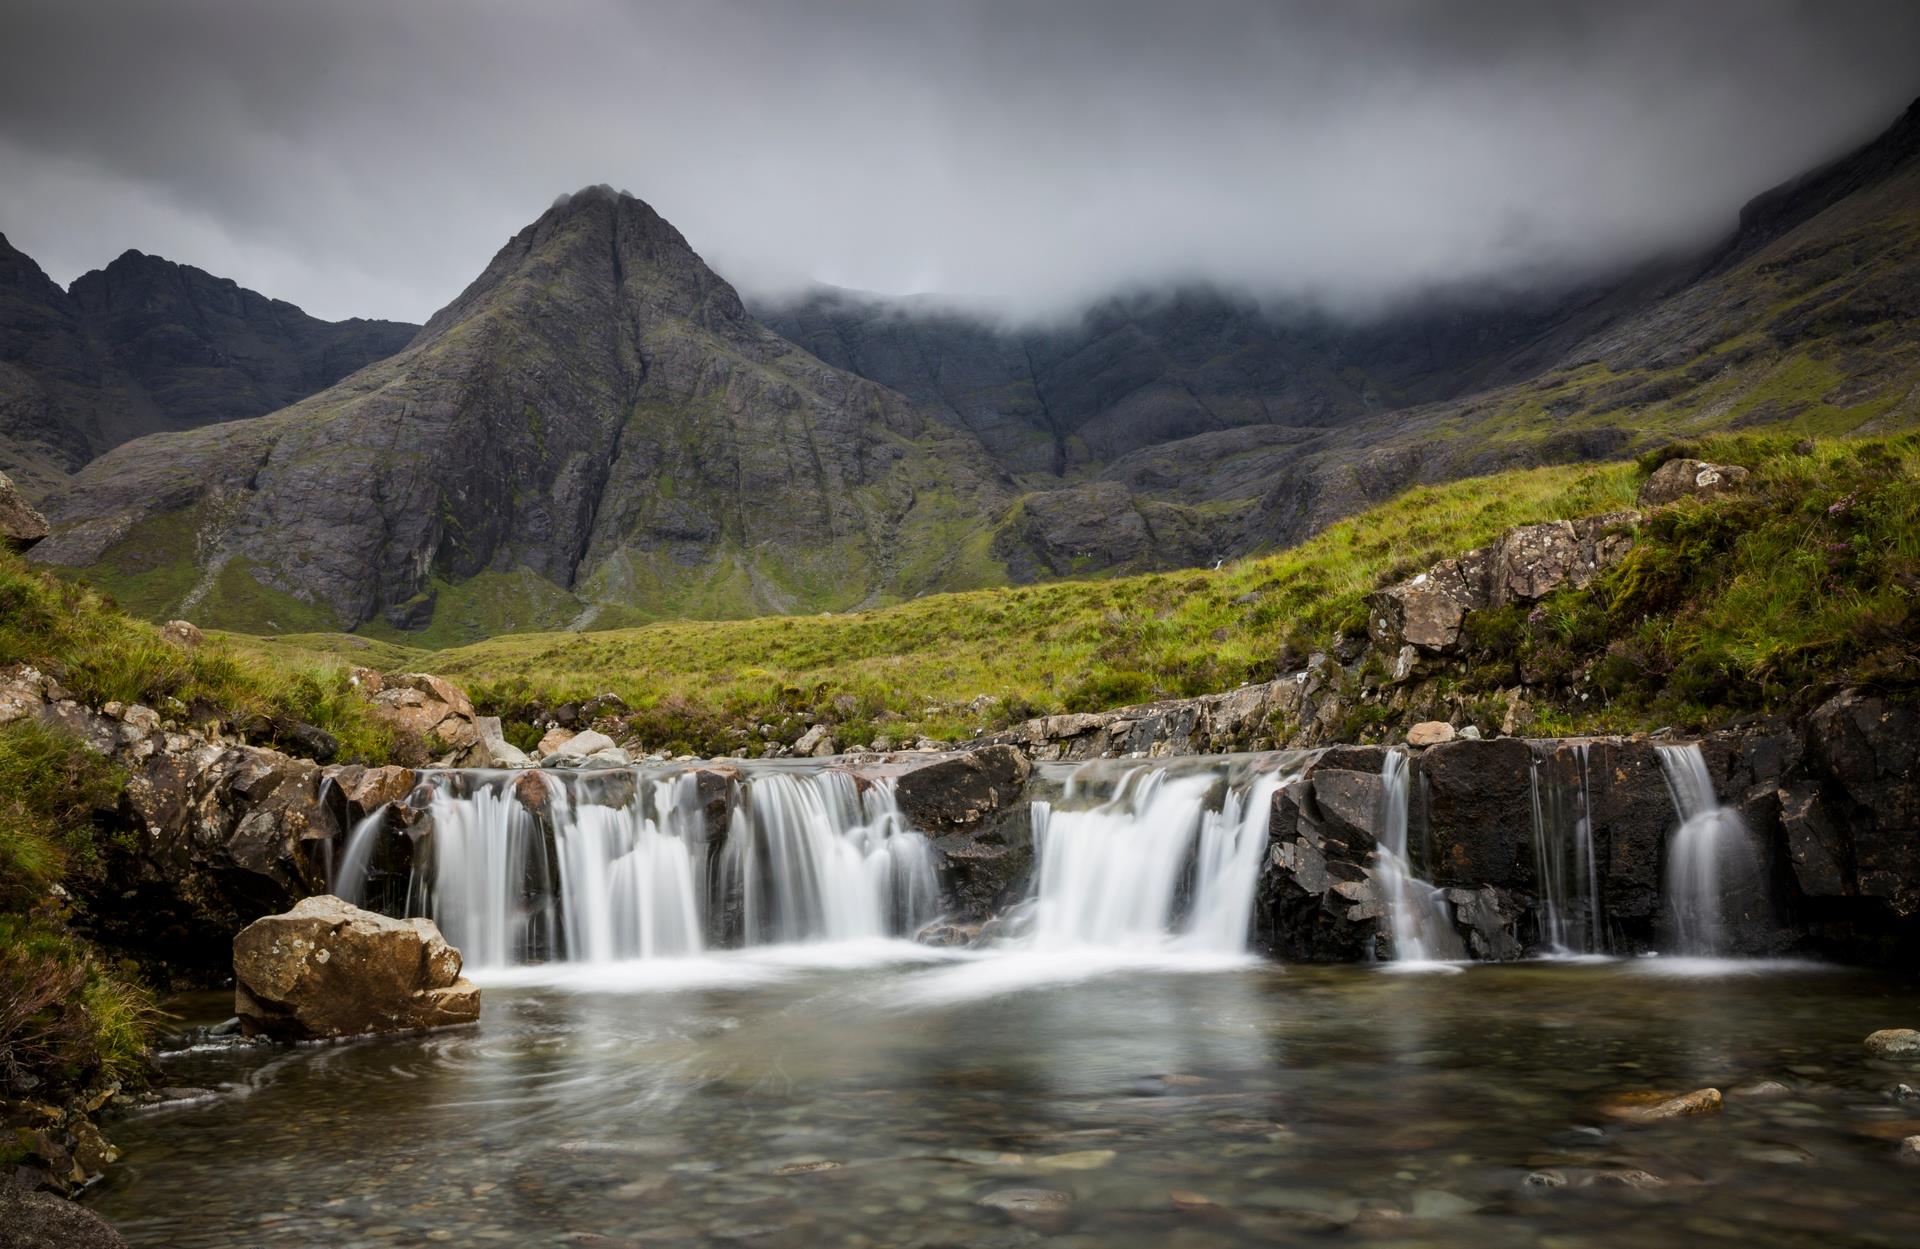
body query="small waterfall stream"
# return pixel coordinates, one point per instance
(1571, 920)
(1416, 911)
(1167, 855)
(1707, 854)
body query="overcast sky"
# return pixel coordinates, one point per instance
(366, 157)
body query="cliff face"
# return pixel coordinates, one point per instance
(146, 345)
(595, 422)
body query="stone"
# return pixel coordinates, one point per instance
(1655, 1107)
(816, 743)
(1430, 733)
(553, 741)
(1897, 1044)
(1690, 479)
(1076, 1160)
(428, 713)
(491, 749)
(1045, 1208)
(1910, 1149)
(21, 524)
(961, 793)
(182, 633)
(30, 1220)
(329, 969)
(589, 743)
(1759, 1090)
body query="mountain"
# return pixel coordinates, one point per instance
(594, 426)
(1263, 425)
(597, 431)
(146, 345)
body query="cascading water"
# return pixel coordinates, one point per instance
(1707, 853)
(1156, 861)
(1564, 858)
(348, 880)
(1416, 911)
(601, 867)
(815, 856)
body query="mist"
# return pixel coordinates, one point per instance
(366, 158)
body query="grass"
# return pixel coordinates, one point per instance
(915, 668)
(100, 655)
(1762, 601)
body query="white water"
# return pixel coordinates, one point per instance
(1705, 854)
(349, 877)
(1565, 863)
(1115, 875)
(809, 857)
(1416, 912)
(814, 857)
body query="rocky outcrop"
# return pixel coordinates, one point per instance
(1428, 611)
(973, 805)
(1817, 800)
(327, 969)
(1690, 479)
(218, 832)
(21, 525)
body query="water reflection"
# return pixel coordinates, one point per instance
(831, 1104)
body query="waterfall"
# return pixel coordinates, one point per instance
(615, 865)
(817, 856)
(1564, 859)
(1416, 911)
(1156, 862)
(487, 871)
(1706, 853)
(348, 879)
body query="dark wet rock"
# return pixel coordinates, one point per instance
(1316, 901)
(960, 793)
(328, 969)
(30, 1220)
(1491, 919)
(1690, 479)
(1895, 1044)
(1476, 802)
(1622, 1177)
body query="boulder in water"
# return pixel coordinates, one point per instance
(1899, 1044)
(329, 969)
(1656, 1107)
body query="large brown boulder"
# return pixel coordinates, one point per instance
(329, 969)
(21, 524)
(1690, 479)
(430, 715)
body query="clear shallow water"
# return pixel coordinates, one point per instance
(1174, 1102)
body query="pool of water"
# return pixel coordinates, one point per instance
(872, 1096)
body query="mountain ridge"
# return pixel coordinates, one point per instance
(145, 344)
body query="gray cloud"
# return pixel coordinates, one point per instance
(363, 157)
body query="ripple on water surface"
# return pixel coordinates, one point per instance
(884, 1095)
